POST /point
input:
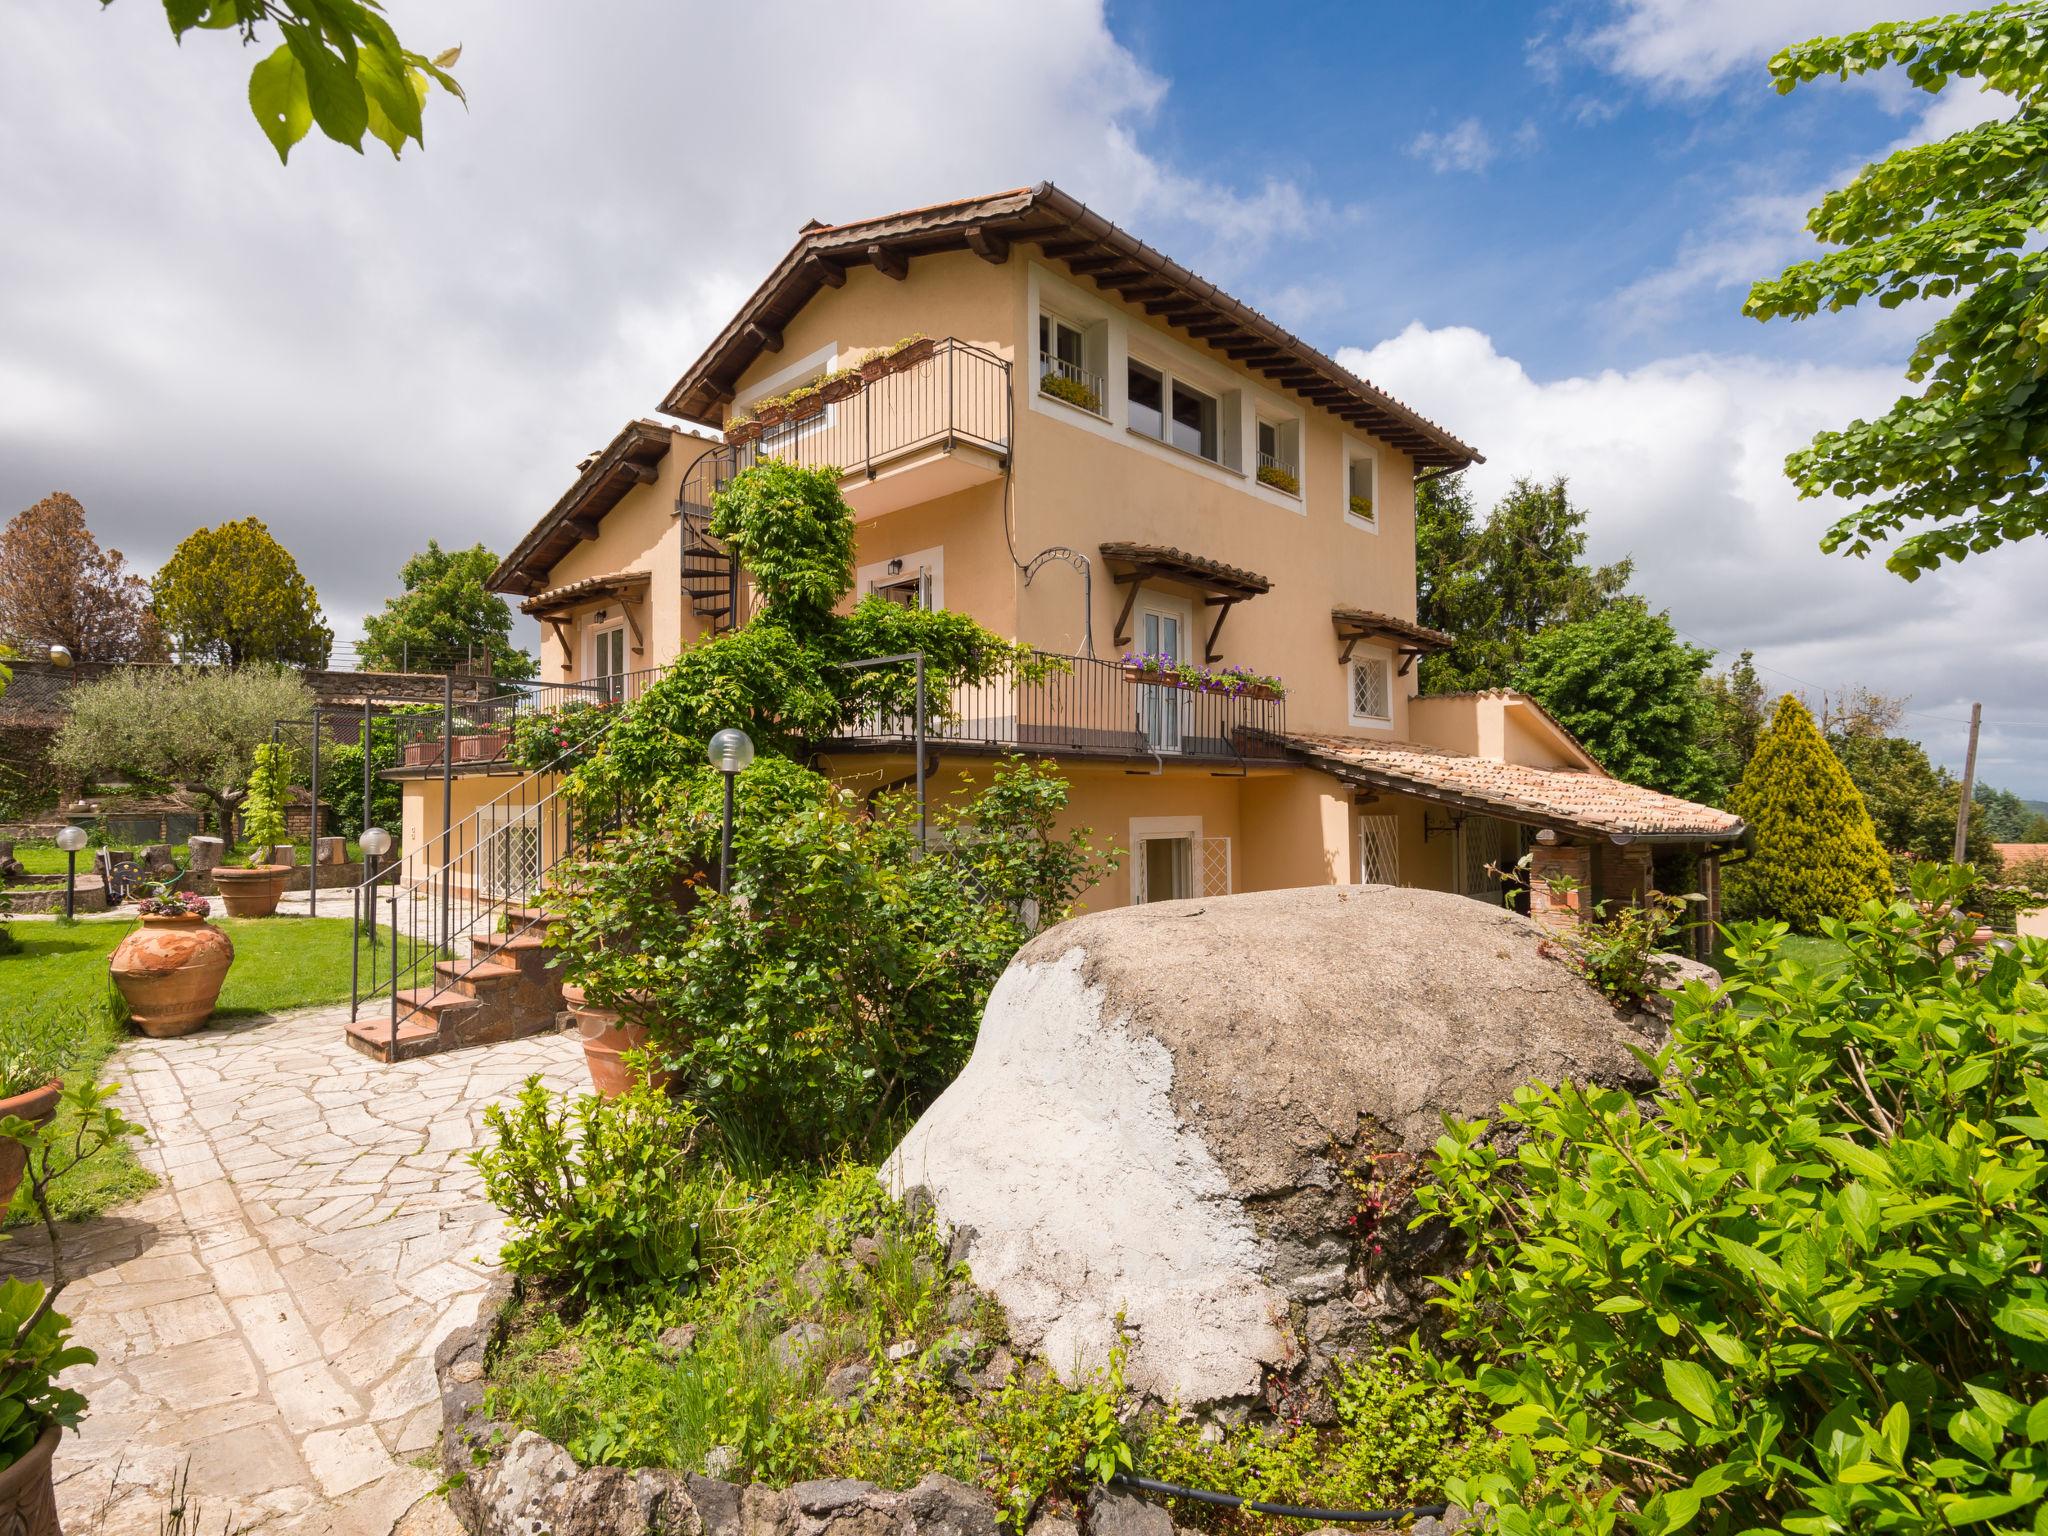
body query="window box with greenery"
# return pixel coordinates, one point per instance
(742, 430)
(1152, 670)
(255, 889)
(907, 353)
(1074, 392)
(1281, 478)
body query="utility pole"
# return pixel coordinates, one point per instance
(1969, 785)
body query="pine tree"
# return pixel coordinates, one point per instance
(1814, 853)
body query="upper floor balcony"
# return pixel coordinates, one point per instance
(926, 421)
(1091, 708)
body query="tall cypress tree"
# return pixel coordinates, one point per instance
(1814, 852)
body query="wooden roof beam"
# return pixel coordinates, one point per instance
(639, 474)
(1087, 264)
(1063, 250)
(828, 273)
(767, 337)
(889, 261)
(987, 244)
(1168, 309)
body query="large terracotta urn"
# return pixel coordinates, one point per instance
(607, 1036)
(28, 1499)
(35, 1106)
(251, 892)
(170, 970)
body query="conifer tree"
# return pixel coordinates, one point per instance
(1814, 852)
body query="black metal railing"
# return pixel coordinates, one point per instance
(959, 395)
(1093, 708)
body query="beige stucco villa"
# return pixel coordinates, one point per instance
(1096, 453)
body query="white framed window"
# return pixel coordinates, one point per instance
(915, 579)
(1372, 691)
(608, 651)
(1361, 487)
(1070, 362)
(1180, 413)
(1171, 860)
(1279, 464)
(1379, 848)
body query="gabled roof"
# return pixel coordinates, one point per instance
(1573, 800)
(1093, 248)
(628, 460)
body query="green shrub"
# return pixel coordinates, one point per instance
(1071, 390)
(1281, 478)
(843, 985)
(1616, 948)
(35, 1345)
(262, 810)
(1813, 853)
(1400, 1438)
(560, 738)
(590, 1187)
(40, 1044)
(1805, 1294)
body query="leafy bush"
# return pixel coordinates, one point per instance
(590, 1186)
(560, 738)
(34, 1348)
(844, 981)
(1814, 853)
(1616, 948)
(41, 1044)
(1399, 1438)
(1071, 390)
(1806, 1292)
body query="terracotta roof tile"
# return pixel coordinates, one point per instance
(1178, 562)
(1368, 623)
(590, 587)
(1572, 799)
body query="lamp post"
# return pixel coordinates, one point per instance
(730, 751)
(376, 842)
(71, 839)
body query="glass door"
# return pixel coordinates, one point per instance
(608, 661)
(1160, 635)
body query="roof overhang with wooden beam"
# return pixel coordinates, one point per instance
(1063, 229)
(632, 458)
(1222, 586)
(558, 605)
(1411, 640)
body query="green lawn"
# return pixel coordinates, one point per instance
(43, 858)
(61, 968)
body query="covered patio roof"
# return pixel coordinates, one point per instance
(1412, 639)
(1570, 800)
(1222, 586)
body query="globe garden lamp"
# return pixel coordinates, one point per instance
(60, 655)
(375, 843)
(731, 750)
(71, 839)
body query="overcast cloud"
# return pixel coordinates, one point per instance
(366, 353)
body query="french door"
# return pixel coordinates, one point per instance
(1162, 633)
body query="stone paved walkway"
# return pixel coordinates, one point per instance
(271, 1312)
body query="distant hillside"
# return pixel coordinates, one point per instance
(2039, 806)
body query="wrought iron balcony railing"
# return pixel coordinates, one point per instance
(958, 395)
(1092, 708)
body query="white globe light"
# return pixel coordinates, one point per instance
(71, 839)
(376, 842)
(60, 655)
(730, 750)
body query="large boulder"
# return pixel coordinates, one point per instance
(1206, 1118)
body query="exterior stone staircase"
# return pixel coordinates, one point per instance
(506, 989)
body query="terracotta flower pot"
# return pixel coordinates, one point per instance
(252, 892)
(28, 1499)
(834, 390)
(170, 970)
(35, 1106)
(607, 1036)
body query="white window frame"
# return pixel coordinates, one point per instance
(1093, 339)
(1288, 431)
(1364, 655)
(1145, 829)
(594, 637)
(1356, 450)
(1390, 823)
(874, 577)
(1229, 397)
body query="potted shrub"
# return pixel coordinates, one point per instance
(35, 1339)
(609, 1035)
(170, 969)
(32, 1062)
(254, 889)
(1074, 392)
(1281, 478)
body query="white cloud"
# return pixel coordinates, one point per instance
(1680, 464)
(1690, 47)
(1464, 146)
(365, 352)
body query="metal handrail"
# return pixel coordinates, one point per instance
(1088, 707)
(960, 394)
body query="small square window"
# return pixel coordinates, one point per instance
(1371, 693)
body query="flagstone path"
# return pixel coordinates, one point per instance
(271, 1311)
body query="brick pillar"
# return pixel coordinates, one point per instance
(1564, 861)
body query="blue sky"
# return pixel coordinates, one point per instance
(1536, 225)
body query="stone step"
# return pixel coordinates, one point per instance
(418, 1035)
(474, 976)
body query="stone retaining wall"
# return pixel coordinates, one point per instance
(46, 894)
